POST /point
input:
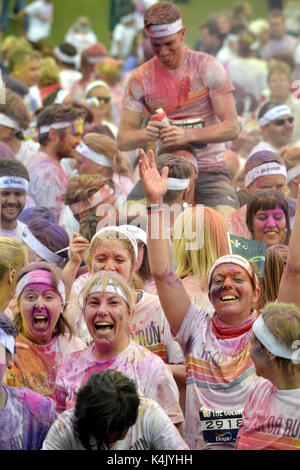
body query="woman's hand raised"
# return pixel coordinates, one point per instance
(155, 185)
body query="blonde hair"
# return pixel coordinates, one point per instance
(277, 67)
(105, 145)
(107, 277)
(283, 321)
(198, 262)
(13, 255)
(49, 72)
(110, 236)
(275, 262)
(12, 43)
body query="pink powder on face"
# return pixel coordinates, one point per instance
(271, 220)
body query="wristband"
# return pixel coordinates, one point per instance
(154, 207)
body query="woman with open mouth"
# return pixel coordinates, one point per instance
(44, 334)
(220, 371)
(115, 248)
(107, 306)
(268, 218)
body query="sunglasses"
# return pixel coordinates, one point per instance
(281, 122)
(96, 100)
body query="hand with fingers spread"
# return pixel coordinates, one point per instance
(155, 184)
(78, 248)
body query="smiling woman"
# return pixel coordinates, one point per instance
(268, 217)
(220, 371)
(45, 335)
(107, 305)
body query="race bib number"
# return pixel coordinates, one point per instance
(220, 426)
(190, 124)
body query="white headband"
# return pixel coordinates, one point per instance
(39, 276)
(68, 59)
(269, 341)
(95, 84)
(40, 249)
(95, 157)
(178, 184)
(8, 122)
(124, 234)
(61, 95)
(7, 341)
(94, 59)
(15, 182)
(231, 259)
(55, 125)
(272, 168)
(111, 287)
(137, 232)
(273, 114)
(292, 173)
(162, 30)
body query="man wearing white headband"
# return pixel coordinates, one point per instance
(14, 181)
(187, 85)
(276, 124)
(60, 128)
(25, 416)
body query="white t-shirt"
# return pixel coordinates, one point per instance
(263, 146)
(124, 35)
(220, 378)
(40, 15)
(16, 233)
(271, 419)
(153, 378)
(153, 429)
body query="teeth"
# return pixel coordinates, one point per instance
(228, 297)
(104, 326)
(271, 233)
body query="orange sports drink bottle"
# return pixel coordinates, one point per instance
(161, 116)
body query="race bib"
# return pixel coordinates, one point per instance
(220, 426)
(190, 124)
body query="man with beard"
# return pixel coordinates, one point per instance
(14, 180)
(60, 128)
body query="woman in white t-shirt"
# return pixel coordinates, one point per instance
(107, 306)
(220, 371)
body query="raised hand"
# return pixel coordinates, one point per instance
(155, 185)
(78, 248)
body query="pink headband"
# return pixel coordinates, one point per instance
(162, 30)
(39, 276)
(104, 192)
(231, 259)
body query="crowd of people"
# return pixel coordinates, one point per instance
(127, 321)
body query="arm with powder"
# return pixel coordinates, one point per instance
(290, 279)
(172, 295)
(78, 248)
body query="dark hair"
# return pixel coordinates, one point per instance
(53, 236)
(108, 403)
(8, 326)
(13, 168)
(62, 326)
(37, 212)
(15, 108)
(266, 200)
(266, 107)
(261, 157)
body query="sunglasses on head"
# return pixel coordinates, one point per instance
(281, 122)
